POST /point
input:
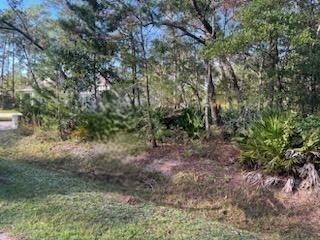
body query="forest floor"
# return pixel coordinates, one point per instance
(122, 190)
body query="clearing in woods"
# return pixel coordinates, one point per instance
(37, 203)
(117, 190)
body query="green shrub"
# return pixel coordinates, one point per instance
(309, 123)
(235, 120)
(98, 125)
(189, 120)
(309, 130)
(110, 118)
(265, 142)
(139, 122)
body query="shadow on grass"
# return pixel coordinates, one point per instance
(21, 181)
(44, 204)
(110, 175)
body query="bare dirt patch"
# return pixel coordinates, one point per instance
(172, 158)
(212, 184)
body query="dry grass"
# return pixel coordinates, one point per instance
(200, 178)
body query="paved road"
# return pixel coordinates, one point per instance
(6, 125)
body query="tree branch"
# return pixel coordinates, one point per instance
(181, 28)
(203, 20)
(24, 34)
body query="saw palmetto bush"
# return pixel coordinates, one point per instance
(266, 141)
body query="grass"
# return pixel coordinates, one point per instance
(205, 192)
(41, 204)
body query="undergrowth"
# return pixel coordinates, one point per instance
(265, 143)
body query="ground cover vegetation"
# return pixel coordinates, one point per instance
(166, 97)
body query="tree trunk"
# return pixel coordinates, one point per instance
(196, 92)
(276, 84)
(260, 76)
(2, 72)
(146, 67)
(211, 92)
(13, 74)
(207, 102)
(134, 71)
(234, 79)
(95, 82)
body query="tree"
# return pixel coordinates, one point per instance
(198, 20)
(273, 42)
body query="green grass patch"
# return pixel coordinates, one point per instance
(41, 204)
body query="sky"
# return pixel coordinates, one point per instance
(26, 3)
